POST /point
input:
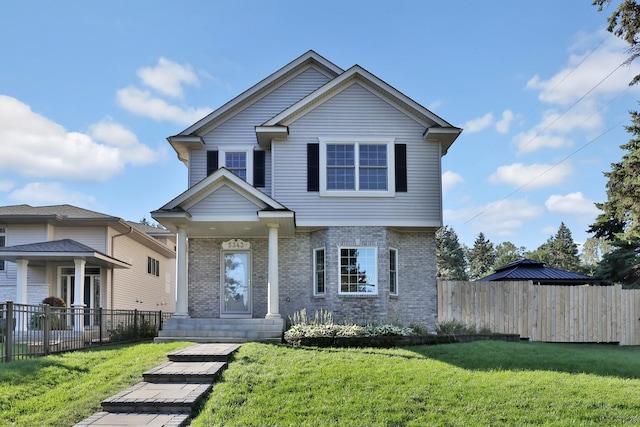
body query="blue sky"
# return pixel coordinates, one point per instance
(89, 91)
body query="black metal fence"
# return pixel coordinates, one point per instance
(37, 330)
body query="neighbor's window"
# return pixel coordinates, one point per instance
(236, 162)
(357, 166)
(318, 272)
(393, 271)
(153, 266)
(358, 271)
(3, 241)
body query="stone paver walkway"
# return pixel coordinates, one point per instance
(169, 392)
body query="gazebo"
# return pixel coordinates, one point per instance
(539, 274)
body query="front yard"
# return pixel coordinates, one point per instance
(480, 383)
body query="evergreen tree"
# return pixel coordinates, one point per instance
(450, 259)
(619, 222)
(481, 257)
(559, 251)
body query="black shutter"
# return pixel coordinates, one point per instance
(258, 168)
(313, 167)
(212, 161)
(401, 167)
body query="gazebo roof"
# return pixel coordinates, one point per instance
(536, 271)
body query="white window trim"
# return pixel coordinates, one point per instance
(315, 273)
(375, 256)
(391, 169)
(247, 149)
(396, 273)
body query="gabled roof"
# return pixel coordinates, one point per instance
(528, 269)
(436, 127)
(62, 211)
(59, 250)
(258, 90)
(209, 184)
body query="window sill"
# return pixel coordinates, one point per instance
(357, 296)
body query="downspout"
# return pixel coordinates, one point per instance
(113, 270)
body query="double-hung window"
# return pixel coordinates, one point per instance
(318, 272)
(358, 270)
(393, 271)
(153, 266)
(236, 162)
(363, 167)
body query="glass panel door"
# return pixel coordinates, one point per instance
(235, 289)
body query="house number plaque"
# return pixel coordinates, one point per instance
(236, 244)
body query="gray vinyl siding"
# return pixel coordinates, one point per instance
(224, 202)
(356, 112)
(240, 128)
(94, 237)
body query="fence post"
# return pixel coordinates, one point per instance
(159, 321)
(135, 324)
(100, 325)
(8, 343)
(46, 329)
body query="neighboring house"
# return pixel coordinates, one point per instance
(46, 250)
(528, 269)
(317, 188)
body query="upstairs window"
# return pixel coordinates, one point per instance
(236, 162)
(357, 167)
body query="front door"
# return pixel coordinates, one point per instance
(91, 290)
(235, 292)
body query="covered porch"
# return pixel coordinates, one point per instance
(228, 235)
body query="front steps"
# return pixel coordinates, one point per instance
(210, 330)
(169, 393)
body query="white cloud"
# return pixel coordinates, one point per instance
(6, 185)
(167, 77)
(572, 204)
(503, 125)
(449, 180)
(143, 103)
(49, 193)
(33, 145)
(577, 79)
(533, 140)
(476, 125)
(533, 176)
(116, 135)
(501, 218)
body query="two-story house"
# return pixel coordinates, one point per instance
(87, 258)
(317, 188)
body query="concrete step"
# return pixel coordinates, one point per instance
(108, 419)
(221, 330)
(158, 398)
(185, 372)
(215, 339)
(205, 353)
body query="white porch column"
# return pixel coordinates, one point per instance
(182, 292)
(273, 293)
(21, 285)
(78, 294)
(21, 292)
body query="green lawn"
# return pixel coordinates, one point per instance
(61, 390)
(485, 383)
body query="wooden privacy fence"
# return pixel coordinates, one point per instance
(578, 314)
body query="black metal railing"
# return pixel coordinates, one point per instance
(37, 330)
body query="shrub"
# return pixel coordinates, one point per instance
(453, 327)
(129, 332)
(54, 302)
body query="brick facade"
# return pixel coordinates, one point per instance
(415, 303)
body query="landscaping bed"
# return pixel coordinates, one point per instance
(395, 341)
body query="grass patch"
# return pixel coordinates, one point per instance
(63, 389)
(479, 383)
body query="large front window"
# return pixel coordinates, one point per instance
(356, 167)
(358, 271)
